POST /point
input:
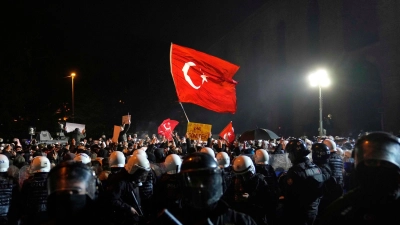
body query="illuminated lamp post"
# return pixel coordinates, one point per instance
(73, 100)
(320, 78)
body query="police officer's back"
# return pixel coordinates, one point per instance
(167, 190)
(34, 192)
(123, 190)
(249, 192)
(303, 185)
(9, 194)
(224, 161)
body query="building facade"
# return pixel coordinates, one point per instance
(356, 41)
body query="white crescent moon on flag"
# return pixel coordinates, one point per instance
(185, 70)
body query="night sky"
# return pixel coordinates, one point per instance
(119, 51)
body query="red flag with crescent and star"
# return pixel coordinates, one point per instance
(228, 133)
(167, 127)
(203, 79)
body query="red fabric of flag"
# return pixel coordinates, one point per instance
(167, 127)
(203, 79)
(228, 133)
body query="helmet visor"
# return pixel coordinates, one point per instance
(202, 188)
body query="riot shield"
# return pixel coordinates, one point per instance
(280, 162)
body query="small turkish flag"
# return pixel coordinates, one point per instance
(167, 127)
(204, 80)
(228, 133)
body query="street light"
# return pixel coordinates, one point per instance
(73, 104)
(320, 78)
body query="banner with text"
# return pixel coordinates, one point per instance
(196, 130)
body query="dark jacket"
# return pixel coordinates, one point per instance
(9, 199)
(303, 189)
(221, 214)
(77, 135)
(122, 135)
(336, 164)
(357, 208)
(166, 192)
(34, 199)
(270, 176)
(261, 200)
(121, 194)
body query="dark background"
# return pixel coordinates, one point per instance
(120, 53)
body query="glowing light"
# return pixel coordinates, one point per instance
(319, 78)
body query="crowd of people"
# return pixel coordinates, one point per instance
(154, 180)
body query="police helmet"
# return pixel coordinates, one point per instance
(62, 177)
(331, 145)
(139, 152)
(243, 164)
(378, 146)
(201, 179)
(320, 153)
(173, 164)
(82, 157)
(261, 157)
(297, 148)
(223, 159)
(209, 151)
(4, 163)
(138, 166)
(117, 159)
(40, 164)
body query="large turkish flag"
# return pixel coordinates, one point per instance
(203, 79)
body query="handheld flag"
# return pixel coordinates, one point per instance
(228, 133)
(203, 79)
(167, 127)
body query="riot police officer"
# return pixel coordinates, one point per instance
(303, 185)
(9, 194)
(249, 192)
(376, 199)
(72, 194)
(320, 156)
(123, 191)
(167, 191)
(224, 163)
(34, 192)
(201, 192)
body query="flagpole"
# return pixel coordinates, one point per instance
(184, 112)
